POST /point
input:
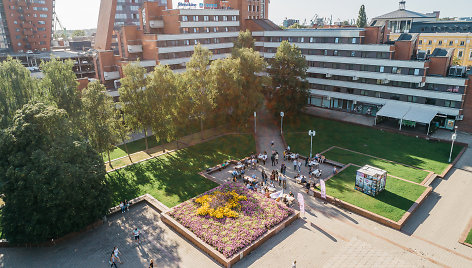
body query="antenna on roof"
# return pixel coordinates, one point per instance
(402, 5)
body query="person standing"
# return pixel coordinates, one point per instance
(272, 143)
(295, 164)
(285, 169)
(299, 166)
(272, 158)
(136, 234)
(112, 260)
(116, 252)
(276, 158)
(151, 265)
(306, 161)
(294, 264)
(122, 207)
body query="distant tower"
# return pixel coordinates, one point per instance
(402, 5)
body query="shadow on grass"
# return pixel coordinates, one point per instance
(421, 214)
(173, 178)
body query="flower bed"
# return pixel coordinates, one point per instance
(256, 215)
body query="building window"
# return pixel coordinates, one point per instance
(215, 18)
(430, 101)
(450, 104)
(335, 53)
(206, 18)
(382, 69)
(184, 18)
(326, 52)
(421, 42)
(225, 18)
(470, 56)
(411, 98)
(354, 40)
(15, 22)
(336, 40)
(460, 54)
(462, 43)
(195, 18)
(353, 53)
(364, 93)
(19, 44)
(451, 43)
(394, 70)
(417, 72)
(430, 42)
(440, 42)
(378, 94)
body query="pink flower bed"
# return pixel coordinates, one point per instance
(229, 235)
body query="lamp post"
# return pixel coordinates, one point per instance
(281, 122)
(453, 138)
(312, 133)
(255, 116)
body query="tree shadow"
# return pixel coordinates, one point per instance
(421, 214)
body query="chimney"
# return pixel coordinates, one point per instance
(402, 5)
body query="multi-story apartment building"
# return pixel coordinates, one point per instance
(444, 34)
(167, 36)
(354, 70)
(26, 25)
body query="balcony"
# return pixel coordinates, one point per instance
(156, 24)
(135, 48)
(111, 75)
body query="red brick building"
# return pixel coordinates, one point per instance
(26, 25)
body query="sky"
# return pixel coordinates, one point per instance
(83, 14)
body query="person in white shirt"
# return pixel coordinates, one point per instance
(116, 252)
(136, 234)
(295, 164)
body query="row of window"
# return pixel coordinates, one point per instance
(33, 43)
(391, 96)
(208, 29)
(443, 42)
(188, 54)
(339, 53)
(335, 40)
(400, 84)
(367, 68)
(207, 18)
(177, 43)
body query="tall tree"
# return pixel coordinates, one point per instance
(136, 106)
(361, 18)
(197, 80)
(59, 86)
(52, 180)
(238, 84)
(78, 33)
(16, 89)
(163, 93)
(99, 115)
(288, 73)
(122, 129)
(245, 40)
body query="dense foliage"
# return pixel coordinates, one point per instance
(52, 179)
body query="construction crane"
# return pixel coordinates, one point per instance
(58, 22)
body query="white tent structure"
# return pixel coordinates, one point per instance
(407, 112)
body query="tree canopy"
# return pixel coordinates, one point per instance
(59, 86)
(99, 115)
(199, 90)
(290, 86)
(135, 104)
(245, 40)
(16, 89)
(52, 179)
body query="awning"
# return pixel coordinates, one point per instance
(394, 110)
(420, 115)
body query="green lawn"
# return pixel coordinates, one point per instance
(392, 203)
(469, 237)
(174, 178)
(346, 157)
(420, 153)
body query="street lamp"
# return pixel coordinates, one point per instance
(453, 138)
(281, 122)
(312, 133)
(255, 129)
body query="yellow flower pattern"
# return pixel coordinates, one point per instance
(228, 209)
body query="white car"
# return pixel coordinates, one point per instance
(29, 52)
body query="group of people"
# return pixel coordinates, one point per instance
(124, 206)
